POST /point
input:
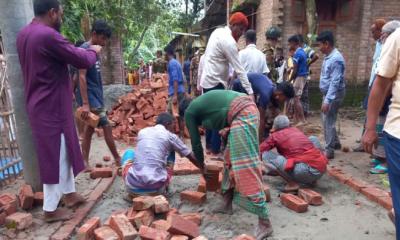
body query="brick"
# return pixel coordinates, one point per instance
(19, 220)
(148, 233)
(38, 199)
(26, 197)
(3, 216)
(202, 185)
(267, 193)
(106, 158)
(121, 225)
(341, 177)
(99, 165)
(116, 212)
(144, 217)
(356, 184)
(104, 172)
(10, 208)
(185, 167)
(374, 193)
(386, 202)
(244, 237)
(212, 183)
(193, 197)
(194, 217)
(161, 204)
(214, 166)
(142, 202)
(86, 231)
(9, 203)
(294, 203)
(131, 213)
(179, 237)
(201, 237)
(105, 233)
(92, 120)
(310, 196)
(161, 224)
(172, 211)
(181, 226)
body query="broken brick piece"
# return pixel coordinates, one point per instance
(144, 217)
(267, 193)
(106, 158)
(194, 217)
(294, 203)
(193, 197)
(9, 203)
(142, 202)
(148, 233)
(19, 220)
(161, 204)
(202, 185)
(121, 225)
(356, 184)
(105, 233)
(26, 197)
(104, 172)
(244, 237)
(386, 202)
(179, 225)
(161, 224)
(310, 196)
(179, 237)
(86, 231)
(38, 199)
(374, 193)
(92, 119)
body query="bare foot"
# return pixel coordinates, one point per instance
(264, 229)
(392, 216)
(73, 199)
(60, 214)
(291, 187)
(117, 161)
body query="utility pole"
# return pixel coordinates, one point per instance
(14, 15)
(227, 11)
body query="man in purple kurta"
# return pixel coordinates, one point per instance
(44, 55)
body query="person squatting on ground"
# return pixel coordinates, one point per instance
(90, 94)
(236, 116)
(300, 159)
(44, 56)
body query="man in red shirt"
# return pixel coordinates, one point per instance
(300, 159)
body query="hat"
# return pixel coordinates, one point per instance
(239, 18)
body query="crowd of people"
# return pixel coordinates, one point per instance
(227, 92)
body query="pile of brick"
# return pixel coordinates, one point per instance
(10, 204)
(139, 109)
(150, 218)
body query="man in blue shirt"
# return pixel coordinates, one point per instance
(332, 85)
(91, 94)
(299, 78)
(186, 71)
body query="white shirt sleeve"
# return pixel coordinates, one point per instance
(265, 67)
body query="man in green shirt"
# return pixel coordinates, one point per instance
(237, 117)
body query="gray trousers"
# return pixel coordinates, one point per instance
(329, 122)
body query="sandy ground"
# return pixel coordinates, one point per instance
(344, 215)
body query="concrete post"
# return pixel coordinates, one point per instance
(14, 15)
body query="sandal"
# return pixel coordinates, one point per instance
(379, 169)
(375, 162)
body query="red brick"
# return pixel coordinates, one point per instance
(244, 237)
(106, 158)
(105, 233)
(386, 202)
(194, 217)
(92, 120)
(267, 193)
(104, 172)
(121, 225)
(116, 212)
(172, 211)
(201, 237)
(185, 167)
(161, 204)
(98, 165)
(214, 166)
(38, 199)
(19, 220)
(144, 217)
(161, 224)
(179, 237)
(374, 193)
(202, 185)
(294, 203)
(181, 226)
(193, 197)
(26, 197)
(341, 177)
(86, 231)
(212, 184)
(131, 213)
(148, 233)
(3, 216)
(9, 203)
(356, 184)
(310, 196)
(10, 208)
(142, 202)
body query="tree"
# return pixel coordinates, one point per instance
(311, 15)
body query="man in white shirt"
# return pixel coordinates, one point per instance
(252, 59)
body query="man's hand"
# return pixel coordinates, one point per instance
(96, 48)
(252, 97)
(85, 111)
(174, 100)
(369, 140)
(325, 108)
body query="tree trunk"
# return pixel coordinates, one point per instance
(135, 50)
(14, 15)
(311, 15)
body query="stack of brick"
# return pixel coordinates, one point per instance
(139, 109)
(149, 218)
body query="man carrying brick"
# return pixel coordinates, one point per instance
(301, 160)
(44, 56)
(90, 94)
(387, 79)
(149, 169)
(236, 115)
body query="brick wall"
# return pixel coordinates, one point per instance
(112, 68)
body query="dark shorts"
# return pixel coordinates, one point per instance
(102, 113)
